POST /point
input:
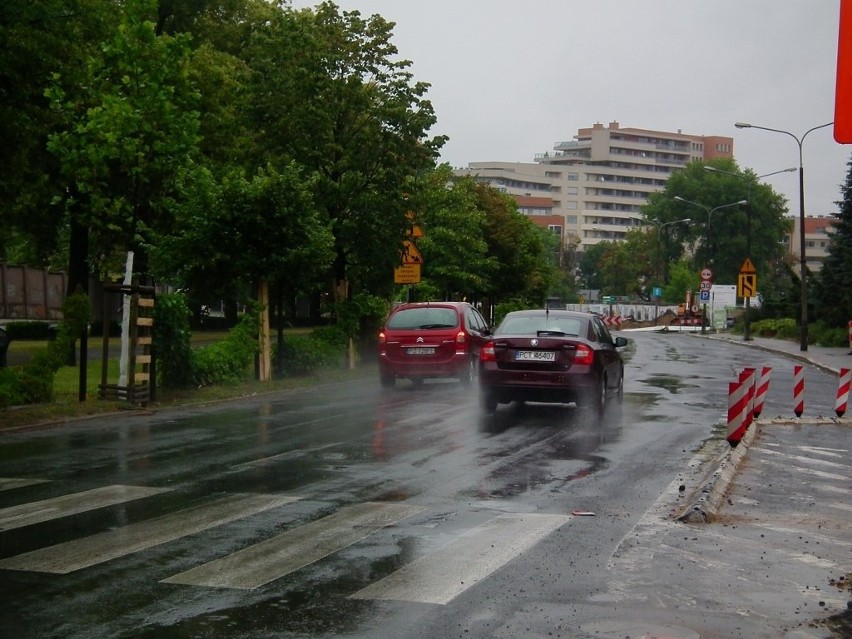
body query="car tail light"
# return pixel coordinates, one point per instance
(584, 355)
(486, 353)
(460, 337)
(382, 337)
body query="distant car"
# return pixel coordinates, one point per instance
(431, 339)
(551, 356)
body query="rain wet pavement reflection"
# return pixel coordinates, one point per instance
(346, 444)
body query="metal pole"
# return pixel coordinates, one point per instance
(803, 343)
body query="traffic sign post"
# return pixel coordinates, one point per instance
(747, 288)
(704, 295)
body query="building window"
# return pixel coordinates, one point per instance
(556, 228)
(571, 206)
(571, 219)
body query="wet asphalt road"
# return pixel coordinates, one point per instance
(349, 511)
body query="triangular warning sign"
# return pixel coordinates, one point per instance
(748, 267)
(410, 253)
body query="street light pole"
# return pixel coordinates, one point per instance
(660, 228)
(710, 212)
(803, 342)
(707, 167)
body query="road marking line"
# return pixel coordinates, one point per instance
(8, 483)
(39, 511)
(95, 549)
(840, 506)
(272, 559)
(810, 460)
(440, 577)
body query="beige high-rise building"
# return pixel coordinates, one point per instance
(595, 183)
(817, 241)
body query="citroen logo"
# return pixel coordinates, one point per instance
(533, 342)
(419, 340)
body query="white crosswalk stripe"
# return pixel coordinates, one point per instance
(8, 483)
(272, 559)
(445, 574)
(437, 578)
(95, 549)
(47, 509)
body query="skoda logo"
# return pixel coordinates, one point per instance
(419, 340)
(533, 342)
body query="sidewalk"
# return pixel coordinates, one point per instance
(826, 357)
(768, 539)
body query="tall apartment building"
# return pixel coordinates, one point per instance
(594, 184)
(817, 241)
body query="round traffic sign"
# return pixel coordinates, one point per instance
(705, 285)
(706, 274)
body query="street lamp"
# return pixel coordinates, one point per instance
(660, 228)
(803, 345)
(710, 212)
(707, 167)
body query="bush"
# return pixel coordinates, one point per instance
(229, 359)
(33, 382)
(30, 330)
(324, 349)
(784, 328)
(172, 341)
(823, 335)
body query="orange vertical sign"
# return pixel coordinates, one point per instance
(843, 91)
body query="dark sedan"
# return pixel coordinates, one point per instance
(551, 356)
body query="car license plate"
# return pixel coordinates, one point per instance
(535, 356)
(421, 350)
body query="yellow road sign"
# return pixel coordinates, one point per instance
(746, 285)
(747, 267)
(410, 253)
(407, 274)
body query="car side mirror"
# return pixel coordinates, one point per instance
(620, 341)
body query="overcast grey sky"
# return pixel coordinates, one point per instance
(512, 77)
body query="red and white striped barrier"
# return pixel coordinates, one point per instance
(747, 377)
(798, 390)
(844, 380)
(738, 401)
(760, 390)
(612, 320)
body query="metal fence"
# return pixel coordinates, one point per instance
(31, 293)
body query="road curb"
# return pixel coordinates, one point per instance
(706, 505)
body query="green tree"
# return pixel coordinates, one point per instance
(238, 230)
(525, 264)
(457, 263)
(125, 147)
(833, 294)
(37, 40)
(720, 236)
(329, 93)
(682, 278)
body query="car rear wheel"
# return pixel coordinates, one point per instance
(468, 374)
(620, 395)
(597, 400)
(488, 401)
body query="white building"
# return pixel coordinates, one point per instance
(596, 182)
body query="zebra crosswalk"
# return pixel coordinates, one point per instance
(95, 549)
(435, 578)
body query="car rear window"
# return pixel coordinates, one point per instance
(532, 325)
(424, 318)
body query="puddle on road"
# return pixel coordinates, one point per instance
(672, 384)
